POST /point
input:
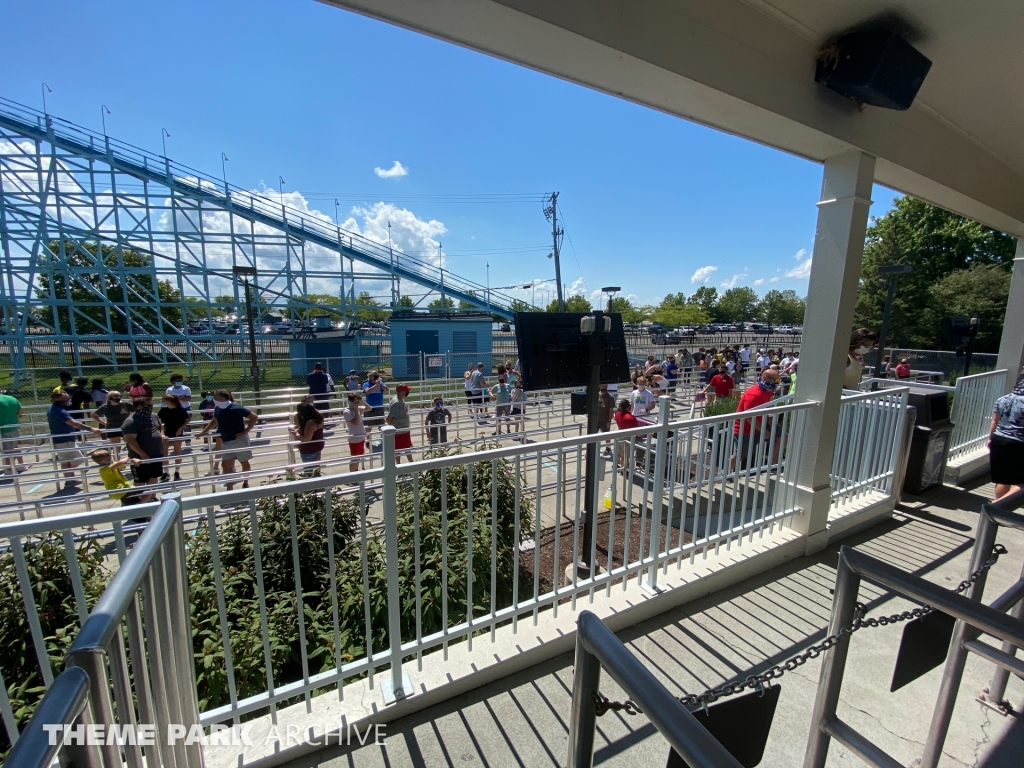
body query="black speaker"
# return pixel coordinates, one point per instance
(875, 67)
(578, 403)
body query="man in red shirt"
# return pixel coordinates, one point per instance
(750, 428)
(722, 384)
(903, 369)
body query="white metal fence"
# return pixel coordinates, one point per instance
(417, 557)
(867, 444)
(974, 398)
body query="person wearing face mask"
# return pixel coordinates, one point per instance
(180, 391)
(437, 421)
(745, 430)
(174, 418)
(142, 437)
(862, 341)
(233, 422)
(641, 399)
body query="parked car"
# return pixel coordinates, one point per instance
(282, 327)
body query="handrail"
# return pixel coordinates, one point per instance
(597, 647)
(62, 705)
(971, 615)
(109, 611)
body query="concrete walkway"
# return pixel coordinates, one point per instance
(523, 720)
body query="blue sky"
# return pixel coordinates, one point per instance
(323, 97)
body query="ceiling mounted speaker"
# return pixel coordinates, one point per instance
(876, 67)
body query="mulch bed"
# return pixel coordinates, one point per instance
(639, 531)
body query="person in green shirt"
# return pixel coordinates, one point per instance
(10, 414)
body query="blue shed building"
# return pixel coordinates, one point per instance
(435, 340)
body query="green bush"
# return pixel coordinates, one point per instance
(722, 406)
(59, 617)
(50, 576)
(238, 567)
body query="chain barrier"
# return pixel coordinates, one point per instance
(759, 682)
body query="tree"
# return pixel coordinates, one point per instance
(406, 302)
(90, 275)
(676, 309)
(737, 305)
(572, 304)
(463, 304)
(979, 291)
(936, 243)
(631, 314)
(366, 311)
(437, 303)
(782, 308)
(706, 299)
(517, 305)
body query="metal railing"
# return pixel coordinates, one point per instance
(62, 705)
(867, 444)
(974, 398)
(596, 648)
(973, 619)
(151, 682)
(489, 514)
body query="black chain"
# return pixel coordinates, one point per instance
(763, 680)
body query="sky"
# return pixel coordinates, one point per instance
(451, 146)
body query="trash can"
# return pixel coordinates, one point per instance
(929, 444)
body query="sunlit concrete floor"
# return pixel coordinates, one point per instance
(523, 720)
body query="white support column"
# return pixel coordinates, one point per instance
(831, 298)
(1011, 345)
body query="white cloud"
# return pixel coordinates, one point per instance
(775, 279)
(703, 275)
(802, 271)
(578, 288)
(799, 255)
(396, 171)
(732, 281)
(759, 281)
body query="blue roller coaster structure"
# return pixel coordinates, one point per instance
(110, 252)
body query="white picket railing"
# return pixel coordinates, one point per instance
(688, 488)
(974, 398)
(867, 444)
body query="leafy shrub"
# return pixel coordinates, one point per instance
(240, 589)
(50, 576)
(59, 616)
(722, 406)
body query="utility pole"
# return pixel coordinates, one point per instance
(551, 214)
(245, 272)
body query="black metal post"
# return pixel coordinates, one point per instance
(893, 271)
(253, 361)
(597, 350)
(883, 336)
(970, 346)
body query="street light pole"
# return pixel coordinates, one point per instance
(611, 291)
(594, 328)
(245, 273)
(104, 111)
(893, 272)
